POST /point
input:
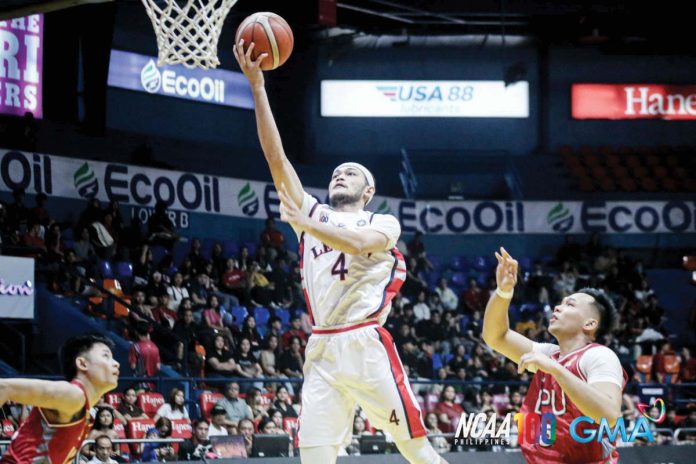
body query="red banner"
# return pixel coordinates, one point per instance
(633, 101)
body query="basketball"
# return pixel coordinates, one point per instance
(270, 34)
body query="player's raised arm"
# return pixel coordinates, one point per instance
(496, 323)
(63, 397)
(271, 144)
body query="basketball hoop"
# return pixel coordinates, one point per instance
(188, 30)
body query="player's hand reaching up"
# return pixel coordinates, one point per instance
(506, 272)
(289, 212)
(250, 67)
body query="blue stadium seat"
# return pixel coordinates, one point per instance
(459, 263)
(158, 252)
(238, 314)
(525, 263)
(459, 280)
(181, 250)
(261, 315)
(230, 248)
(104, 269)
(207, 247)
(437, 262)
(284, 316)
(482, 263)
(124, 270)
(251, 245)
(437, 363)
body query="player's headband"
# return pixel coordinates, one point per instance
(366, 172)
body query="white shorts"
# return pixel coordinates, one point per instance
(359, 366)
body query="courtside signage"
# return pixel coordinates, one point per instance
(21, 65)
(215, 86)
(424, 99)
(189, 192)
(16, 288)
(633, 101)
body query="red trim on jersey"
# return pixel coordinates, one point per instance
(394, 283)
(414, 416)
(320, 331)
(304, 289)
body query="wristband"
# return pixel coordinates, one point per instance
(503, 294)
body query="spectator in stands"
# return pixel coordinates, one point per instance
(283, 403)
(275, 327)
(39, 213)
(160, 229)
(249, 332)
(235, 408)
(162, 313)
(267, 426)
(218, 261)
(565, 281)
(220, 360)
(158, 451)
(234, 281)
(155, 287)
(54, 243)
(129, 407)
(218, 422)
(448, 298)
(474, 298)
(416, 249)
(177, 291)
(514, 402)
(295, 330)
(458, 361)
(247, 364)
(277, 418)
(292, 360)
(186, 331)
(141, 310)
(33, 240)
(474, 327)
(91, 213)
(260, 288)
(174, 408)
(421, 309)
(144, 356)
(196, 257)
(487, 406)
(688, 366)
(246, 429)
(17, 212)
(431, 425)
(413, 284)
(198, 446)
(103, 425)
(448, 412)
(83, 248)
(103, 450)
(272, 240)
(269, 356)
(254, 400)
(213, 319)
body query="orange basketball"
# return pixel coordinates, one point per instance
(271, 34)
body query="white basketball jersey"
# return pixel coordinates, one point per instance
(345, 289)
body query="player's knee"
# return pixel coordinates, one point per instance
(418, 451)
(319, 454)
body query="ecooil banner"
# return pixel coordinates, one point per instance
(204, 193)
(21, 64)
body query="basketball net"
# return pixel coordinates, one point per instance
(188, 30)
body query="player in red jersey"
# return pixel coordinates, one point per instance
(577, 377)
(59, 421)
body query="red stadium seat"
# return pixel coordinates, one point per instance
(137, 428)
(667, 367)
(431, 400)
(181, 428)
(207, 402)
(644, 368)
(150, 402)
(120, 430)
(290, 426)
(113, 399)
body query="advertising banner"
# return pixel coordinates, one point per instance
(633, 101)
(16, 288)
(215, 86)
(21, 65)
(424, 99)
(187, 192)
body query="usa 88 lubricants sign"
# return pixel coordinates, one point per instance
(189, 192)
(21, 65)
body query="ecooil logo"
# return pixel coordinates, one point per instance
(86, 181)
(383, 208)
(247, 200)
(150, 77)
(560, 218)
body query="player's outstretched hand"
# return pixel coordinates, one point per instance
(289, 212)
(506, 272)
(251, 68)
(533, 362)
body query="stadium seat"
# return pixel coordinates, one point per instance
(120, 430)
(459, 263)
(137, 428)
(207, 247)
(207, 401)
(181, 428)
(150, 402)
(668, 369)
(644, 368)
(113, 399)
(437, 262)
(230, 248)
(284, 316)
(251, 246)
(113, 286)
(261, 315)
(526, 263)
(459, 281)
(104, 270)
(158, 252)
(238, 315)
(437, 363)
(431, 400)
(124, 270)
(181, 249)
(200, 350)
(290, 426)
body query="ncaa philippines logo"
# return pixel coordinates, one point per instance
(560, 218)
(247, 200)
(150, 77)
(86, 181)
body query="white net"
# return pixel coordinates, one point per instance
(188, 30)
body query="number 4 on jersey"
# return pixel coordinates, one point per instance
(339, 267)
(393, 419)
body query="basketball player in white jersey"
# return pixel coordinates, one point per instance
(351, 270)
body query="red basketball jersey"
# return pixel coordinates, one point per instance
(39, 441)
(546, 396)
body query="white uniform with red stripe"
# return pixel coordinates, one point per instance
(349, 298)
